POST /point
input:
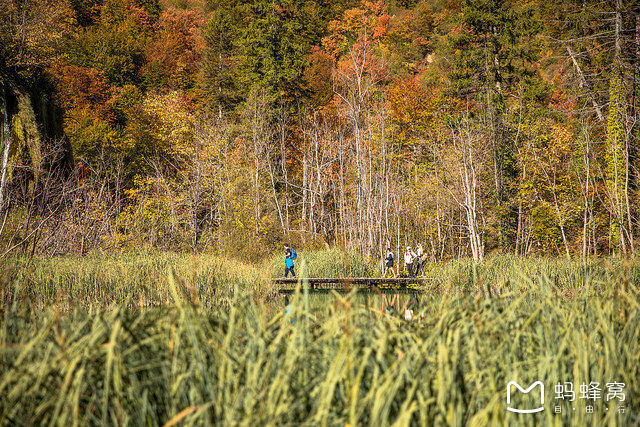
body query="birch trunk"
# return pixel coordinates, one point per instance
(583, 83)
(6, 143)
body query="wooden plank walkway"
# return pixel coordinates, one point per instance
(346, 284)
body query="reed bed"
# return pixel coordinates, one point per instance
(236, 358)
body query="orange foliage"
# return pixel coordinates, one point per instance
(369, 21)
(407, 100)
(143, 17)
(317, 75)
(80, 86)
(174, 52)
(412, 107)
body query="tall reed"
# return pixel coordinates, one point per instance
(240, 360)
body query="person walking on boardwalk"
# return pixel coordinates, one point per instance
(289, 256)
(419, 261)
(409, 256)
(388, 263)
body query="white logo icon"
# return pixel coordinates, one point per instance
(531, 387)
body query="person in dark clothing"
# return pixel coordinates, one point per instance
(388, 263)
(419, 260)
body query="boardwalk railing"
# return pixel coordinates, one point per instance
(346, 284)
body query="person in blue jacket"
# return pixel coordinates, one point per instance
(288, 262)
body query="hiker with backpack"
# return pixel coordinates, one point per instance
(289, 255)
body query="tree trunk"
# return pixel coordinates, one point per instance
(6, 143)
(587, 207)
(583, 83)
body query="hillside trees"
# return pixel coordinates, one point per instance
(493, 46)
(221, 55)
(31, 35)
(471, 127)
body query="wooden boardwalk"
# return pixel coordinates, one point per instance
(346, 284)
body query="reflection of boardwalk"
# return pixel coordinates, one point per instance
(346, 284)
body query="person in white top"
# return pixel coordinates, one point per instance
(409, 256)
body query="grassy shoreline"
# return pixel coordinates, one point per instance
(220, 350)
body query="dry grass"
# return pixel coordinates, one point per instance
(231, 356)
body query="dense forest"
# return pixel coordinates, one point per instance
(470, 126)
